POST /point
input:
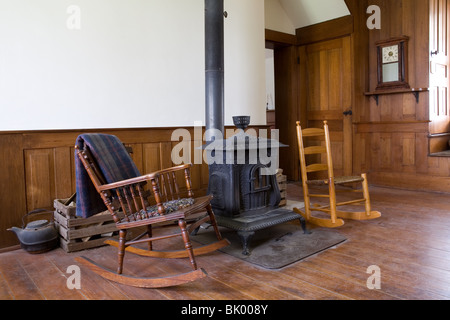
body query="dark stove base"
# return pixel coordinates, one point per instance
(247, 223)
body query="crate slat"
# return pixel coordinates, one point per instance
(81, 233)
(282, 185)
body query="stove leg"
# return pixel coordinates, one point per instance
(303, 224)
(245, 237)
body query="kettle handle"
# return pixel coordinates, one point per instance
(30, 213)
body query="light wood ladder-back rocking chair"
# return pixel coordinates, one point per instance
(130, 206)
(324, 151)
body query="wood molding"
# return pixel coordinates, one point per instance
(287, 111)
(328, 30)
(439, 142)
(392, 126)
(276, 39)
(416, 182)
(9, 249)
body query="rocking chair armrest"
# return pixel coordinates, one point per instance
(144, 178)
(128, 182)
(174, 169)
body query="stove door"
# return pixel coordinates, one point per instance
(224, 186)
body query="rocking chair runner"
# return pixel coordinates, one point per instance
(331, 182)
(131, 207)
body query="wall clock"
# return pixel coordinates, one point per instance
(392, 63)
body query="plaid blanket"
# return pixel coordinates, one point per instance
(113, 161)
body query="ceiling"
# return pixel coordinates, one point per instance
(303, 13)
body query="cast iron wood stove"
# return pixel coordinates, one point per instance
(246, 199)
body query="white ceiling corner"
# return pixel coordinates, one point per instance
(304, 13)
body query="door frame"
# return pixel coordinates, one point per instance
(289, 85)
(286, 98)
(341, 118)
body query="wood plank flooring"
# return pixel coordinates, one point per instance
(410, 244)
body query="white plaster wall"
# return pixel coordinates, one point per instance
(276, 18)
(133, 63)
(303, 13)
(270, 80)
(245, 83)
(288, 15)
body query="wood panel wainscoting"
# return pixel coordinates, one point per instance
(38, 167)
(396, 154)
(394, 135)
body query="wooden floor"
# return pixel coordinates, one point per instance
(410, 244)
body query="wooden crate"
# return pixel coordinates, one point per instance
(282, 185)
(82, 233)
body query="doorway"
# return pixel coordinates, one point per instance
(313, 83)
(325, 88)
(270, 89)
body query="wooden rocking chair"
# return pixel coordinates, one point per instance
(132, 206)
(331, 182)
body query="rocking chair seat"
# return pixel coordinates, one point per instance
(169, 207)
(176, 209)
(337, 181)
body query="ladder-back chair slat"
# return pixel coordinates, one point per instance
(313, 132)
(319, 159)
(315, 150)
(316, 167)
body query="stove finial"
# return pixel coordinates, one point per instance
(241, 122)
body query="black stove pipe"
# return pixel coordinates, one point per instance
(214, 65)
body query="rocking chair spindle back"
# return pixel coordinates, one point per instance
(148, 200)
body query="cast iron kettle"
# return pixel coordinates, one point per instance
(37, 236)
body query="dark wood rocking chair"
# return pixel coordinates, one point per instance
(133, 206)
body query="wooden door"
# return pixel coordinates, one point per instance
(439, 63)
(326, 94)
